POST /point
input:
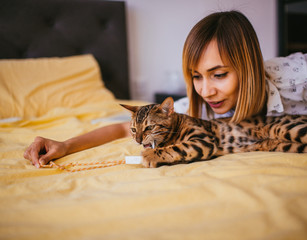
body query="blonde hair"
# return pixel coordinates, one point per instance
(238, 44)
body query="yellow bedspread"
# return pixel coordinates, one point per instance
(238, 196)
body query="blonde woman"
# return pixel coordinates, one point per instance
(225, 76)
(223, 66)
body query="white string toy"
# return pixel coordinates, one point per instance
(70, 167)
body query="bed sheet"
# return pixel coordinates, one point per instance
(256, 195)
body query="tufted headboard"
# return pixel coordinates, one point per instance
(50, 28)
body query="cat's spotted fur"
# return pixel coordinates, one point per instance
(170, 138)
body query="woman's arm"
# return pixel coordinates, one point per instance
(43, 150)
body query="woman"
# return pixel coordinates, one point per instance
(225, 48)
(223, 70)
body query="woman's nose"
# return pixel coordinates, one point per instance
(208, 89)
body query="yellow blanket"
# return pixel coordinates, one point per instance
(238, 196)
(256, 195)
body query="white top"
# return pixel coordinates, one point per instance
(287, 88)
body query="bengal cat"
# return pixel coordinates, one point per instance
(169, 137)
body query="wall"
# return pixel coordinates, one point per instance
(157, 31)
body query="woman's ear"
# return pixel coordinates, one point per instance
(167, 106)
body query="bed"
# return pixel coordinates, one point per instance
(61, 75)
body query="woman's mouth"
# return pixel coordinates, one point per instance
(216, 104)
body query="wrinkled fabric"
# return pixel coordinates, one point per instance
(256, 195)
(287, 86)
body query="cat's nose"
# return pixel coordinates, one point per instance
(139, 139)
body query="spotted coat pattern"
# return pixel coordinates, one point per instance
(179, 138)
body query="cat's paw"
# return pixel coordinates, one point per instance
(150, 160)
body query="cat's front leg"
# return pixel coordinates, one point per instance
(154, 157)
(150, 158)
(179, 153)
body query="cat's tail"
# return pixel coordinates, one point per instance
(275, 145)
(292, 132)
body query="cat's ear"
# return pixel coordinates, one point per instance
(132, 109)
(167, 106)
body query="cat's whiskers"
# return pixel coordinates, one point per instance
(180, 138)
(159, 132)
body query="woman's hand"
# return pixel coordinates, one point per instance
(43, 150)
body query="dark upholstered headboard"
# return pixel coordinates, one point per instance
(50, 28)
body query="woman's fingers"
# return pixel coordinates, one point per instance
(44, 159)
(32, 153)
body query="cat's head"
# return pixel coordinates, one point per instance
(151, 124)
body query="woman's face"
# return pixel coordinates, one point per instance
(216, 81)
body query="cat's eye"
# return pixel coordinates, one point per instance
(149, 128)
(133, 130)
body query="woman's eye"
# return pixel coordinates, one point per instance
(195, 77)
(133, 130)
(220, 75)
(149, 128)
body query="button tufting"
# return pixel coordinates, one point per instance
(22, 53)
(103, 23)
(78, 50)
(49, 22)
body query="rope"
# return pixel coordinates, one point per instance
(68, 167)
